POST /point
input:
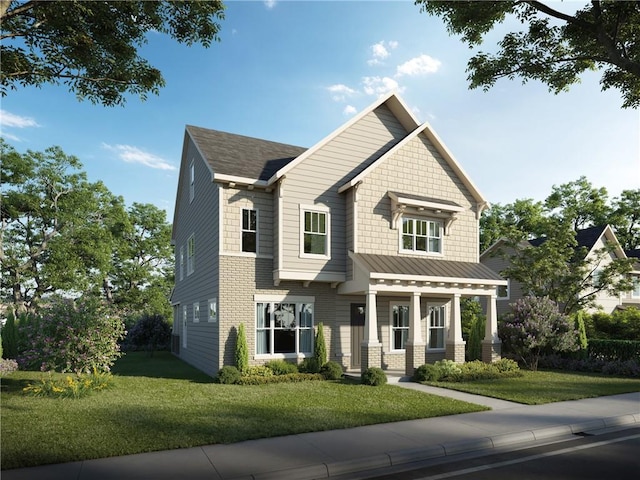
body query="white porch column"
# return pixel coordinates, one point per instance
(491, 345)
(455, 344)
(371, 348)
(415, 347)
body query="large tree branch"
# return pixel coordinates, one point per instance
(610, 45)
(541, 7)
(70, 76)
(22, 9)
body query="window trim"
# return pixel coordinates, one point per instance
(196, 312)
(279, 299)
(192, 181)
(443, 308)
(191, 254)
(182, 262)
(414, 235)
(636, 287)
(256, 231)
(184, 326)
(316, 209)
(392, 328)
(508, 288)
(212, 318)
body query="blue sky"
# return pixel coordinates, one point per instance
(293, 72)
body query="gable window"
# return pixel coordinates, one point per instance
(181, 263)
(191, 254)
(423, 236)
(284, 328)
(249, 230)
(315, 231)
(192, 181)
(436, 327)
(399, 326)
(503, 291)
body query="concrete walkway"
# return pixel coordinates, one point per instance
(349, 452)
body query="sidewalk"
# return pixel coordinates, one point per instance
(337, 453)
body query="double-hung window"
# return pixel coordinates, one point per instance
(635, 293)
(315, 232)
(436, 327)
(249, 230)
(191, 254)
(422, 236)
(196, 312)
(181, 263)
(192, 181)
(399, 326)
(284, 328)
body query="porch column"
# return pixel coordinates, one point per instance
(491, 345)
(415, 346)
(455, 344)
(371, 348)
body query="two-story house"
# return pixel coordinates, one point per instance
(373, 232)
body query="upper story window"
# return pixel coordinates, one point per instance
(421, 236)
(504, 291)
(249, 230)
(192, 181)
(315, 232)
(191, 254)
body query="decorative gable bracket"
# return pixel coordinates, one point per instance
(402, 203)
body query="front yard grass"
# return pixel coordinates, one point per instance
(160, 402)
(535, 388)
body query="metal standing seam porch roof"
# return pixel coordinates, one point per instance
(394, 266)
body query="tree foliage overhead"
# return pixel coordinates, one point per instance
(554, 47)
(92, 47)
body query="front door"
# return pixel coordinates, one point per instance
(357, 332)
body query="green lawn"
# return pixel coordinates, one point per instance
(162, 403)
(535, 388)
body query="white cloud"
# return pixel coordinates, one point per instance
(380, 51)
(340, 92)
(270, 4)
(8, 119)
(380, 85)
(131, 154)
(10, 136)
(421, 65)
(349, 110)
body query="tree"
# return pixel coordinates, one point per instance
(52, 230)
(579, 203)
(556, 48)
(92, 47)
(522, 218)
(534, 327)
(320, 347)
(626, 219)
(242, 350)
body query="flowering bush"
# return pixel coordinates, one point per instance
(535, 327)
(7, 366)
(70, 386)
(70, 337)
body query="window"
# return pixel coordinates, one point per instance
(635, 293)
(181, 263)
(315, 238)
(421, 235)
(284, 328)
(249, 230)
(184, 326)
(399, 326)
(503, 291)
(213, 310)
(191, 253)
(196, 312)
(192, 181)
(436, 327)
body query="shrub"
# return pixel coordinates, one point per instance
(7, 366)
(506, 365)
(582, 332)
(242, 350)
(10, 337)
(535, 327)
(612, 350)
(228, 375)
(427, 373)
(287, 378)
(331, 371)
(320, 348)
(70, 386)
(619, 325)
(282, 367)
(257, 371)
(309, 365)
(374, 376)
(70, 337)
(448, 369)
(150, 333)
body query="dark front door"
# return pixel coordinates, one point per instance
(357, 332)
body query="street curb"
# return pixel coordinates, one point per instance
(414, 455)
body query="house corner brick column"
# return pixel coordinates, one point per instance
(371, 348)
(415, 346)
(491, 345)
(455, 346)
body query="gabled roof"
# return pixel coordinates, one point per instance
(231, 155)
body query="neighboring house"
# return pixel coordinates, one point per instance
(632, 298)
(594, 239)
(373, 232)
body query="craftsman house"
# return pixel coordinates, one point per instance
(372, 232)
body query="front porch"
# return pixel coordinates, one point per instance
(432, 286)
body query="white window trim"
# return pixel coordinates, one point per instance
(212, 318)
(184, 326)
(391, 328)
(319, 209)
(298, 301)
(192, 181)
(444, 328)
(191, 260)
(182, 262)
(196, 312)
(257, 232)
(508, 295)
(401, 249)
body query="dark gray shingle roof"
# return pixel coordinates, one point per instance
(427, 267)
(586, 237)
(231, 154)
